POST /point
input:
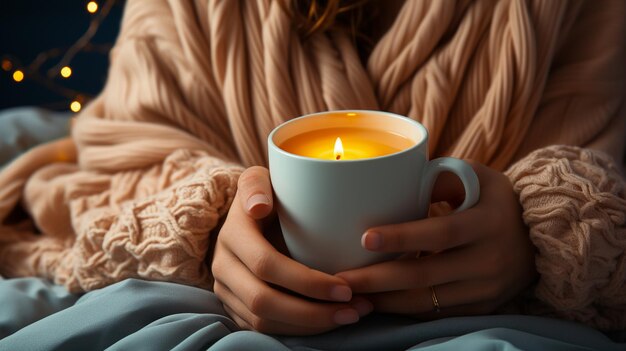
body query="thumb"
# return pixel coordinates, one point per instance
(255, 192)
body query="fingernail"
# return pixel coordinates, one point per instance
(362, 306)
(256, 200)
(372, 240)
(341, 293)
(346, 316)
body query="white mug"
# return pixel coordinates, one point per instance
(325, 206)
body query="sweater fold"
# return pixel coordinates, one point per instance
(574, 202)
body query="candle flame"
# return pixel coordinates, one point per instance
(338, 149)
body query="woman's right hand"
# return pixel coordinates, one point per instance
(264, 290)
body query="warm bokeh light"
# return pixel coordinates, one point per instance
(39, 72)
(18, 76)
(66, 72)
(92, 7)
(7, 65)
(75, 106)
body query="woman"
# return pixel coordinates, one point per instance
(194, 90)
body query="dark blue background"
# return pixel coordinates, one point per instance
(29, 27)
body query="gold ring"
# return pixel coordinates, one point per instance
(433, 296)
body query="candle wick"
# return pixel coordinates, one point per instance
(338, 157)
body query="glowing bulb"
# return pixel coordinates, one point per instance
(75, 106)
(92, 7)
(66, 72)
(338, 149)
(18, 76)
(7, 65)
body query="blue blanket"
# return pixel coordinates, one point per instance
(142, 315)
(24, 127)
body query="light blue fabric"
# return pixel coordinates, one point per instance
(24, 127)
(24, 301)
(141, 315)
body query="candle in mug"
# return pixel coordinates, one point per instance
(325, 204)
(346, 143)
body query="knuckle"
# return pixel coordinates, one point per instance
(243, 324)
(257, 303)
(259, 170)
(360, 282)
(249, 178)
(217, 289)
(245, 182)
(262, 265)
(259, 324)
(216, 266)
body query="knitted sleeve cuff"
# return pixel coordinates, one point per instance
(574, 203)
(150, 223)
(159, 236)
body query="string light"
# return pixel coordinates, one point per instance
(92, 7)
(7, 65)
(18, 76)
(66, 72)
(35, 72)
(75, 106)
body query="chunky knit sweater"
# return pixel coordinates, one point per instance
(195, 87)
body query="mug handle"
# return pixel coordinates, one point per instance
(462, 169)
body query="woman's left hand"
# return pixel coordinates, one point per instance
(479, 258)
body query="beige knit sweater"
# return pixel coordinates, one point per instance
(195, 87)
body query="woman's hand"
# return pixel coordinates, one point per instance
(263, 289)
(479, 258)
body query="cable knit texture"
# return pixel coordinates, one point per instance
(195, 87)
(574, 203)
(153, 223)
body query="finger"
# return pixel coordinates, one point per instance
(242, 316)
(255, 192)
(267, 303)
(418, 301)
(430, 234)
(448, 187)
(437, 269)
(269, 265)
